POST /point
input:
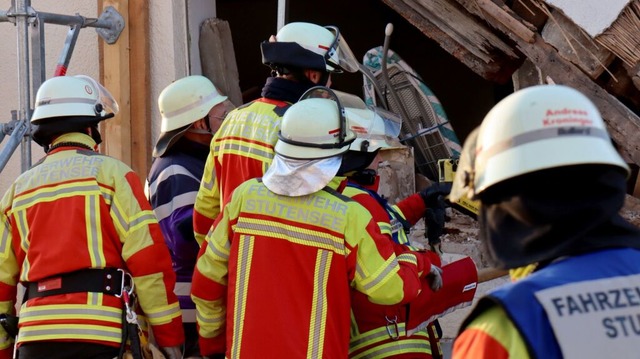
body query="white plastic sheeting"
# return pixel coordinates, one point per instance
(594, 16)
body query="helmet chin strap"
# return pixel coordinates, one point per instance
(95, 134)
(199, 131)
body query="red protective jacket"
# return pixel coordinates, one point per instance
(276, 272)
(74, 210)
(379, 331)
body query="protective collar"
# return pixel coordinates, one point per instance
(290, 177)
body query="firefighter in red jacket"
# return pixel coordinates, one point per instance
(276, 271)
(301, 55)
(380, 331)
(76, 229)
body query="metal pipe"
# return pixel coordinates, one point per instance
(71, 20)
(14, 140)
(24, 99)
(67, 50)
(385, 74)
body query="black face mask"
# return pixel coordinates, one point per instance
(554, 213)
(355, 161)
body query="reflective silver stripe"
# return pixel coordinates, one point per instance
(27, 333)
(319, 309)
(23, 225)
(245, 253)
(182, 288)
(188, 315)
(404, 346)
(57, 101)
(207, 320)
(164, 313)
(539, 135)
(191, 106)
(379, 279)
(408, 258)
(4, 237)
(209, 184)
(338, 246)
(144, 217)
(119, 218)
(45, 194)
(108, 196)
(93, 239)
(246, 149)
(36, 313)
(374, 336)
(215, 249)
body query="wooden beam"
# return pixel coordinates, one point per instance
(623, 124)
(125, 72)
(466, 38)
(115, 77)
(140, 84)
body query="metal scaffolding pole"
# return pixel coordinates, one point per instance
(30, 36)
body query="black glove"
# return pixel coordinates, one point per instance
(10, 324)
(434, 220)
(435, 216)
(432, 194)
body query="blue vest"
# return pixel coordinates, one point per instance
(581, 306)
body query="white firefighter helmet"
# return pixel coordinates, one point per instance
(309, 46)
(182, 103)
(313, 135)
(73, 96)
(314, 127)
(187, 100)
(536, 128)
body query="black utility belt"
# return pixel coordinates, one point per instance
(110, 281)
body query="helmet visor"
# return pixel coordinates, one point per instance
(340, 56)
(392, 121)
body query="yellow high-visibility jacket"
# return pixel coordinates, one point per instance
(77, 209)
(240, 150)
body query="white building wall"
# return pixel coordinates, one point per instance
(172, 43)
(83, 61)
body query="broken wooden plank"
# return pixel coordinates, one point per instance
(218, 58)
(575, 45)
(622, 123)
(515, 26)
(466, 38)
